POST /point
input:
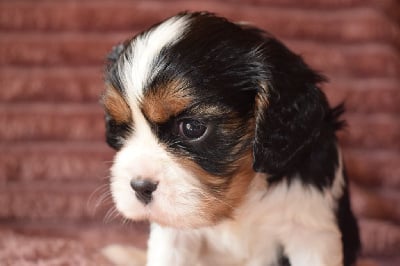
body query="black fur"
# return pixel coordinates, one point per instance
(116, 132)
(349, 227)
(295, 123)
(111, 71)
(283, 261)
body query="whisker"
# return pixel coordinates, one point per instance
(107, 177)
(97, 198)
(108, 162)
(126, 222)
(111, 215)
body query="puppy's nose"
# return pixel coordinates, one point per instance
(144, 189)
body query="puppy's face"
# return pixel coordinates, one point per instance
(184, 103)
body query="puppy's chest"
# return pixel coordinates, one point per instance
(251, 239)
(239, 244)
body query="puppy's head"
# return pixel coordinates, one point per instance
(196, 106)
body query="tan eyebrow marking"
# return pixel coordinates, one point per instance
(116, 106)
(168, 100)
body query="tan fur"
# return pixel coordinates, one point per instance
(116, 105)
(261, 102)
(160, 104)
(220, 204)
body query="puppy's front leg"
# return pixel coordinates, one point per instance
(306, 247)
(168, 246)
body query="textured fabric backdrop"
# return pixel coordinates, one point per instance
(53, 158)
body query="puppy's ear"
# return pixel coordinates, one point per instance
(290, 111)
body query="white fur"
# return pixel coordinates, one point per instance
(138, 69)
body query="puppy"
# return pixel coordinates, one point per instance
(226, 144)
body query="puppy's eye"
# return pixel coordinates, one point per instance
(191, 129)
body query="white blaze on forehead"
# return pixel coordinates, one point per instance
(136, 69)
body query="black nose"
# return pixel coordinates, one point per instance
(144, 189)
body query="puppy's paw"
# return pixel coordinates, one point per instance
(125, 255)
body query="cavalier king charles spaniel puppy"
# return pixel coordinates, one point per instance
(227, 145)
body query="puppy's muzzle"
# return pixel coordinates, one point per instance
(144, 189)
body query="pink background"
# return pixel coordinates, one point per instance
(53, 158)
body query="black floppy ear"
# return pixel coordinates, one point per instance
(290, 111)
